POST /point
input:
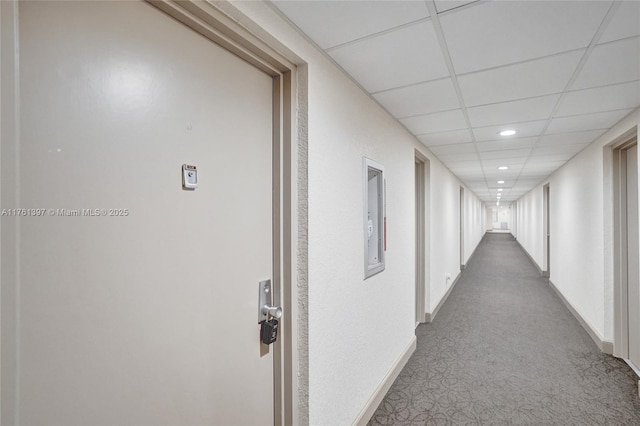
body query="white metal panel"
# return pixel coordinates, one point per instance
(418, 99)
(539, 77)
(535, 29)
(405, 56)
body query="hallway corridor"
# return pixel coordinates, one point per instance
(505, 350)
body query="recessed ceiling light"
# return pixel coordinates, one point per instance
(503, 168)
(500, 181)
(499, 189)
(507, 132)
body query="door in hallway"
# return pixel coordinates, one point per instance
(633, 256)
(420, 230)
(138, 300)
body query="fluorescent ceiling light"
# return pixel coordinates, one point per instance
(499, 189)
(507, 132)
(503, 168)
(500, 181)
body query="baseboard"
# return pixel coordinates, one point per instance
(607, 347)
(382, 389)
(428, 317)
(531, 258)
(603, 345)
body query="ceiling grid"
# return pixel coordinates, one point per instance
(457, 72)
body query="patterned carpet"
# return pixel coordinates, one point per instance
(504, 350)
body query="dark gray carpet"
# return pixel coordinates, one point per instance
(505, 350)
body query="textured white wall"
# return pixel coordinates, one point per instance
(580, 231)
(347, 314)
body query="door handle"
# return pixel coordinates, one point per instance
(266, 310)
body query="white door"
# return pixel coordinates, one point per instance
(147, 313)
(633, 256)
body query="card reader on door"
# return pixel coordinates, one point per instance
(189, 177)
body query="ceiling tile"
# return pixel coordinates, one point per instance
(445, 138)
(550, 158)
(460, 148)
(497, 145)
(456, 158)
(492, 173)
(611, 63)
(531, 128)
(398, 58)
(467, 172)
(330, 23)
(514, 111)
(418, 99)
(469, 165)
(570, 138)
(505, 32)
(557, 149)
(522, 183)
(507, 153)
(512, 163)
(625, 23)
(618, 96)
(534, 167)
(433, 123)
(444, 5)
(576, 123)
(525, 80)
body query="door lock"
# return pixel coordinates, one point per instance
(266, 310)
(268, 314)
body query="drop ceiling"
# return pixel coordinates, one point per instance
(456, 73)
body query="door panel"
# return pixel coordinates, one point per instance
(151, 317)
(633, 256)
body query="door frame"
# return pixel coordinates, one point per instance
(420, 236)
(546, 218)
(616, 152)
(462, 205)
(226, 26)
